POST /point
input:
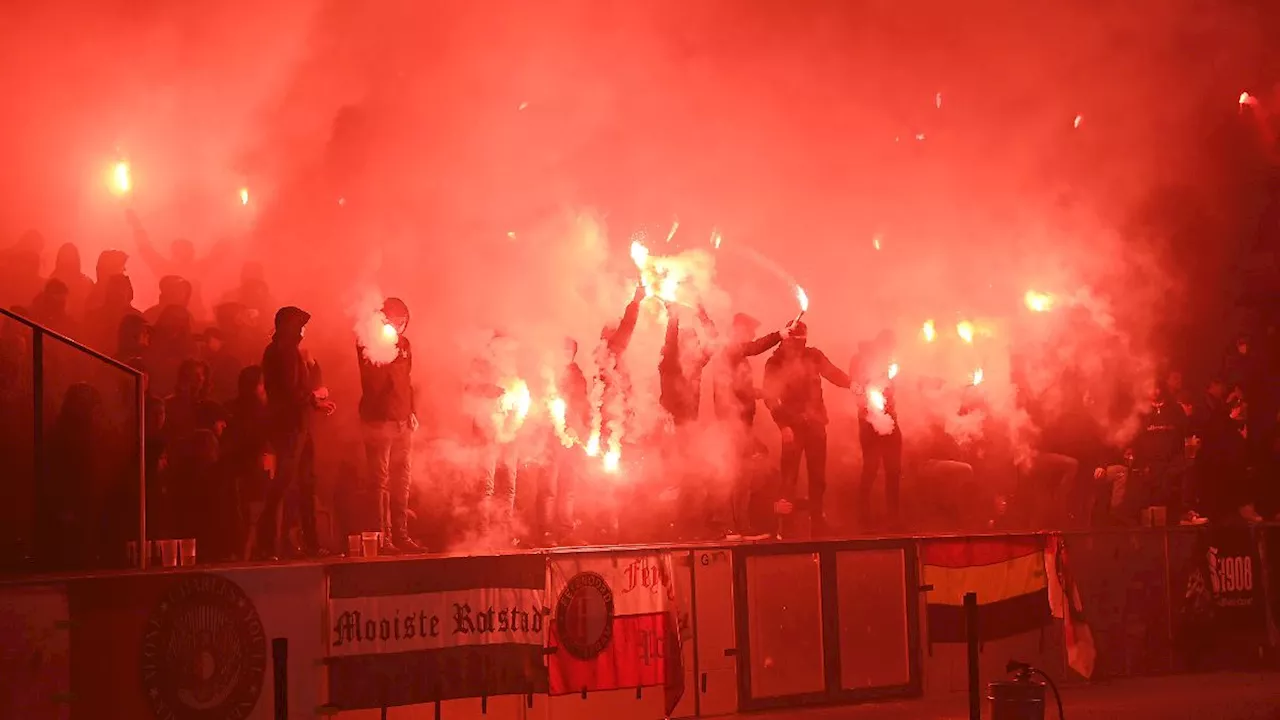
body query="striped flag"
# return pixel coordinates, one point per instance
(1008, 574)
(615, 625)
(412, 632)
(1065, 605)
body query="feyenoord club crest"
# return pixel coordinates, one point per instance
(204, 652)
(584, 615)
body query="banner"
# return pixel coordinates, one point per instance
(1008, 574)
(409, 632)
(181, 645)
(615, 625)
(1222, 615)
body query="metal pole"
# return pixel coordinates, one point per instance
(37, 409)
(280, 677)
(971, 632)
(140, 393)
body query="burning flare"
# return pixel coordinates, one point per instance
(893, 370)
(977, 377)
(803, 298)
(389, 333)
(558, 409)
(929, 331)
(121, 180)
(244, 196)
(875, 399)
(1038, 302)
(513, 408)
(964, 329)
(611, 461)
(1076, 123)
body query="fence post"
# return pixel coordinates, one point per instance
(37, 410)
(141, 399)
(971, 635)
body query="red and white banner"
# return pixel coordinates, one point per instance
(615, 625)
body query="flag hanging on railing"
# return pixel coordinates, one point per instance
(1008, 574)
(615, 625)
(1065, 605)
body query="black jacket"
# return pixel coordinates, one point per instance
(793, 386)
(288, 383)
(734, 390)
(387, 390)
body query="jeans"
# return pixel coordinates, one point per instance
(388, 448)
(558, 486)
(809, 442)
(500, 456)
(295, 469)
(878, 450)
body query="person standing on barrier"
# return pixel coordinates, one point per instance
(292, 397)
(734, 396)
(566, 465)
(879, 434)
(793, 379)
(1159, 453)
(388, 418)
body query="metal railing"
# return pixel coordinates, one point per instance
(38, 335)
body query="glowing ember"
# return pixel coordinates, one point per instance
(893, 370)
(1246, 99)
(875, 399)
(929, 331)
(611, 461)
(716, 239)
(803, 298)
(964, 329)
(389, 333)
(1038, 302)
(875, 242)
(1076, 123)
(511, 234)
(937, 101)
(121, 181)
(522, 106)
(977, 377)
(919, 136)
(675, 225)
(244, 196)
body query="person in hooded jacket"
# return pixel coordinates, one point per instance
(50, 308)
(66, 268)
(174, 291)
(793, 379)
(111, 263)
(879, 433)
(102, 325)
(389, 420)
(292, 398)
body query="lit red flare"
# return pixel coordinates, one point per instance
(977, 377)
(802, 297)
(612, 460)
(964, 329)
(1038, 302)
(929, 331)
(558, 409)
(893, 370)
(121, 180)
(513, 408)
(875, 399)
(1076, 123)
(244, 196)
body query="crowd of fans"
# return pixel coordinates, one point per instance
(230, 455)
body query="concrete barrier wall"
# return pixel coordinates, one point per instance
(759, 626)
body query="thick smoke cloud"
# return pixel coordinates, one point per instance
(489, 162)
